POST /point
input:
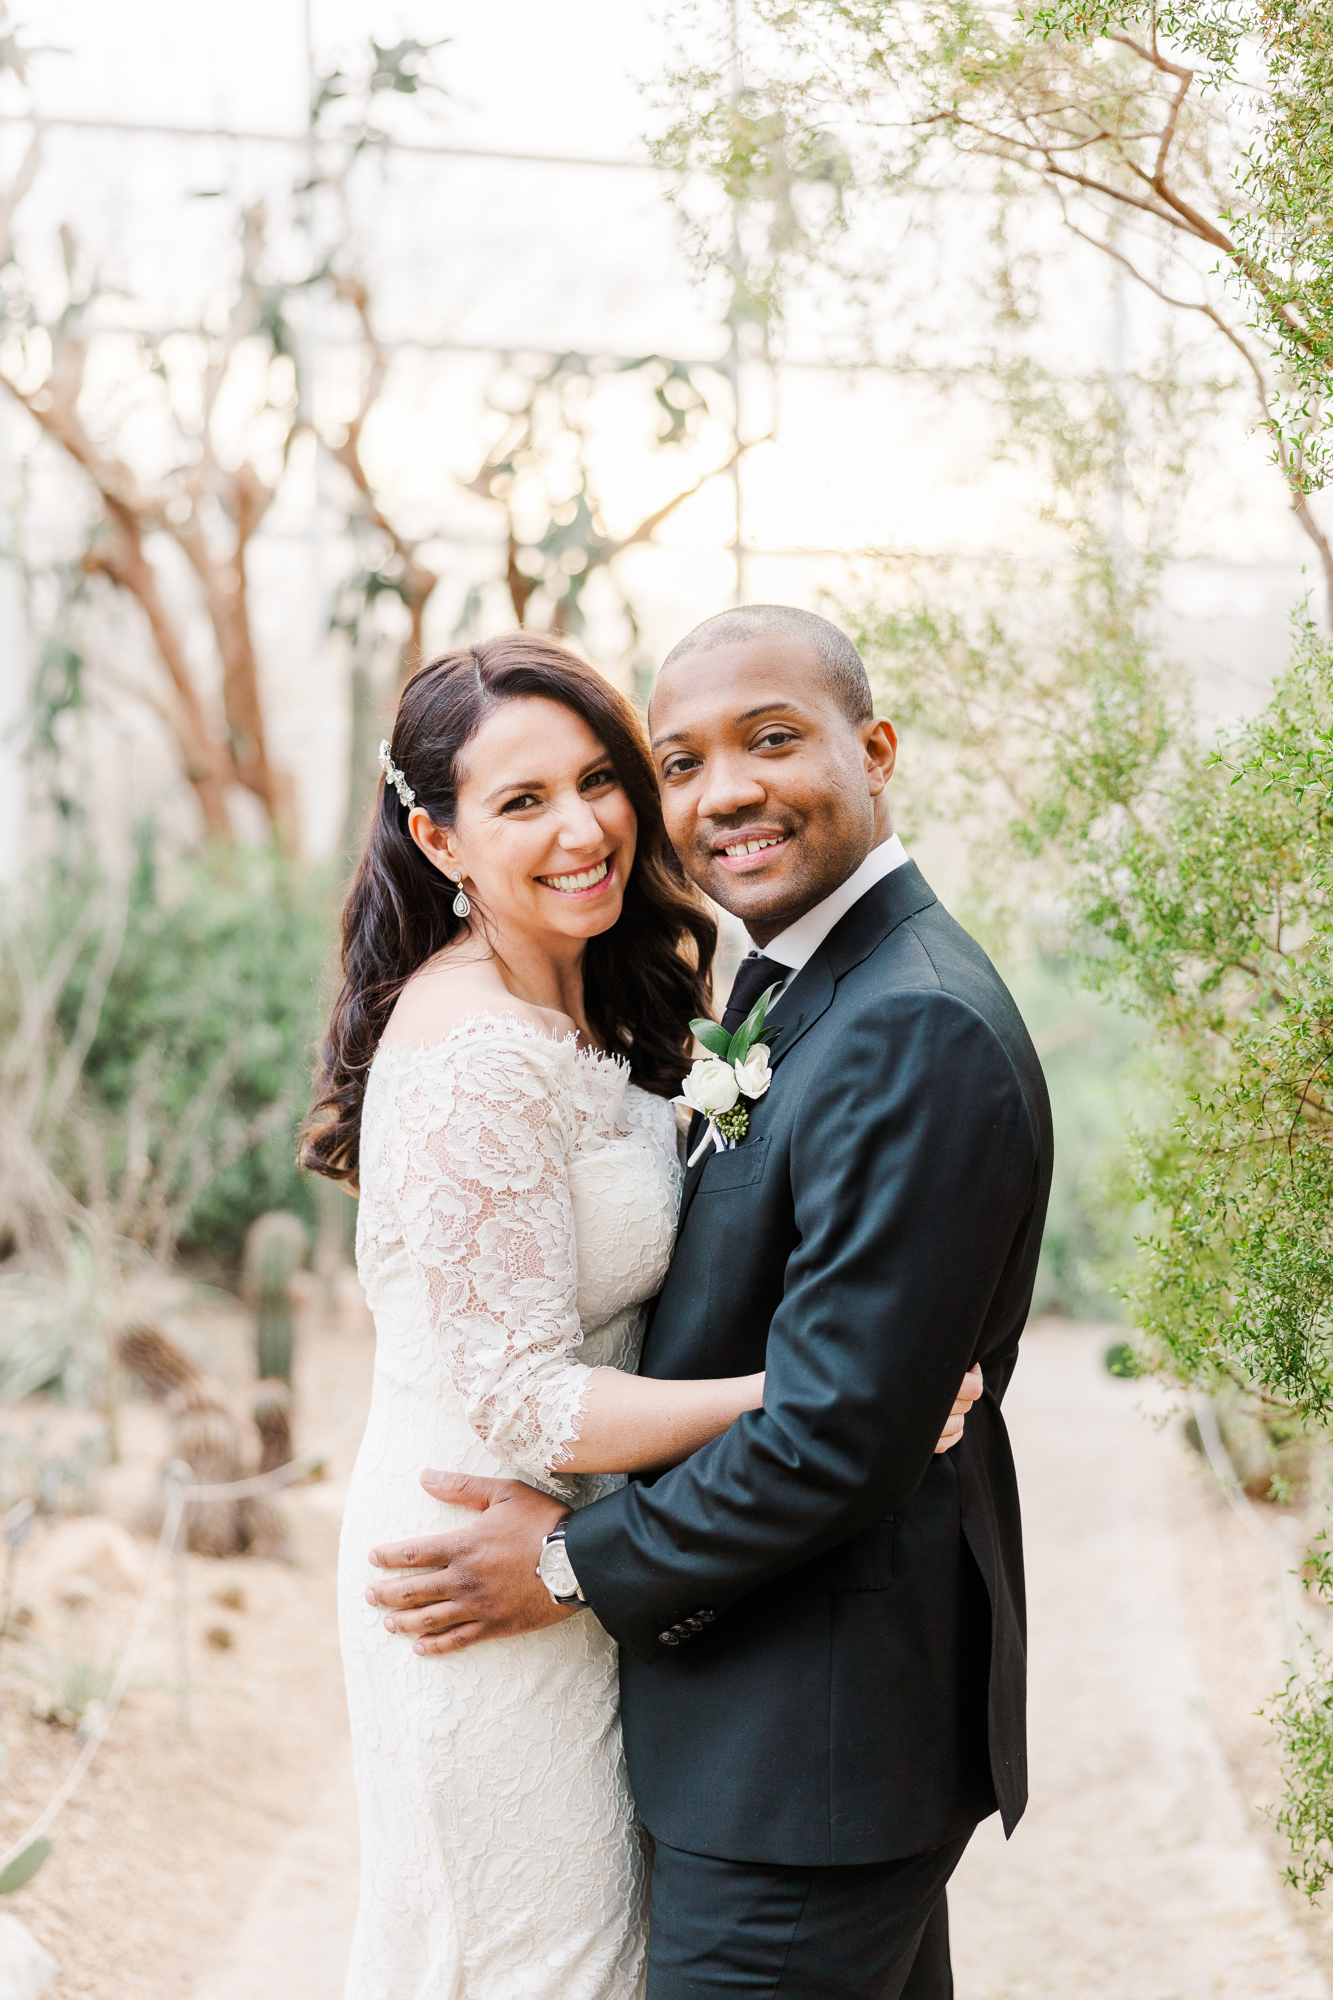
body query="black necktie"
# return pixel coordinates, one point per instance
(753, 974)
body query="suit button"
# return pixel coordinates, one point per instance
(668, 1638)
(707, 1617)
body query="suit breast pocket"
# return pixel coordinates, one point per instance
(740, 1168)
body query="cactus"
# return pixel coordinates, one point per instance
(155, 1361)
(209, 1440)
(273, 1421)
(24, 1866)
(275, 1249)
(214, 1445)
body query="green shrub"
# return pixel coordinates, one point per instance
(187, 1009)
(1086, 1048)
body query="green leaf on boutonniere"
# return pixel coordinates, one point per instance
(716, 1040)
(735, 1048)
(751, 1029)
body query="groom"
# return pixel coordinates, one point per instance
(821, 1622)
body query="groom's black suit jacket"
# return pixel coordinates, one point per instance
(804, 1632)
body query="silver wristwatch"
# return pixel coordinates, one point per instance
(556, 1570)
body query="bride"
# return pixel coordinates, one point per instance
(496, 1084)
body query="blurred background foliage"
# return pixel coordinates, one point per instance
(222, 978)
(1190, 144)
(160, 1039)
(1088, 1052)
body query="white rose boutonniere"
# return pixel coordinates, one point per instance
(754, 1075)
(735, 1069)
(711, 1087)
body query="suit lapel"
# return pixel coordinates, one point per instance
(893, 899)
(809, 996)
(890, 902)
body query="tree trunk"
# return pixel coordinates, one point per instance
(521, 586)
(418, 586)
(227, 602)
(206, 762)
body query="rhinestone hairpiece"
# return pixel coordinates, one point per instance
(393, 776)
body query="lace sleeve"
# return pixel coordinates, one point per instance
(482, 1191)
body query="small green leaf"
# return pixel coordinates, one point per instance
(751, 1029)
(716, 1040)
(24, 1866)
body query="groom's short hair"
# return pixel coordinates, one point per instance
(844, 669)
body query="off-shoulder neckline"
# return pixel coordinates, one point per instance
(497, 1024)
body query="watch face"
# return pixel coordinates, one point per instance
(557, 1571)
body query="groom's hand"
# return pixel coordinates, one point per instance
(969, 1390)
(478, 1582)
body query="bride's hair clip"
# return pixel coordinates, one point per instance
(393, 776)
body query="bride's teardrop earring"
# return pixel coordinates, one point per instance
(462, 907)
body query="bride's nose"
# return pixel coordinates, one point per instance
(580, 828)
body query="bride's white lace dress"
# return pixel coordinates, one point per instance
(518, 1205)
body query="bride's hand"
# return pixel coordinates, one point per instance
(969, 1389)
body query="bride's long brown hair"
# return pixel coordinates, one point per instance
(643, 980)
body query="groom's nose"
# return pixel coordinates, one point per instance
(730, 785)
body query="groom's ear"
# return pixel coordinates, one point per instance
(879, 743)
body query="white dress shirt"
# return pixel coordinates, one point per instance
(800, 941)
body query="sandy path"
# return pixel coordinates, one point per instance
(294, 1938)
(1139, 1872)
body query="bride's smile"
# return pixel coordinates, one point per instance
(545, 834)
(591, 883)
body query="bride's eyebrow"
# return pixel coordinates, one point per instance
(521, 785)
(515, 785)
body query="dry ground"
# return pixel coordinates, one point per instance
(220, 1864)
(173, 1830)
